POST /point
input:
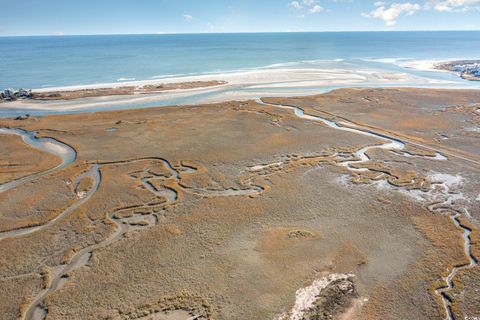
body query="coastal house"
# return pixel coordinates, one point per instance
(473, 69)
(24, 93)
(459, 68)
(476, 69)
(467, 69)
(9, 94)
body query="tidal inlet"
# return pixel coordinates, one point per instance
(232, 170)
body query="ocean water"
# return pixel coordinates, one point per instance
(42, 62)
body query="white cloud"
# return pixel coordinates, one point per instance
(391, 13)
(307, 6)
(187, 17)
(316, 9)
(452, 5)
(295, 5)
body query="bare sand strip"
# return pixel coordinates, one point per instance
(212, 88)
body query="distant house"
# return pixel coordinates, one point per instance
(473, 69)
(9, 94)
(24, 93)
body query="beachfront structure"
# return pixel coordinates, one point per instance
(472, 69)
(475, 70)
(24, 93)
(459, 68)
(8, 94)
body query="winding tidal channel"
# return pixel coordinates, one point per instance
(395, 144)
(123, 222)
(49, 145)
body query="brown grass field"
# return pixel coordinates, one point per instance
(224, 211)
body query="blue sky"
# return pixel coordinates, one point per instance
(59, 17)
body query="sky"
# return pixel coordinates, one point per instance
(79, 17)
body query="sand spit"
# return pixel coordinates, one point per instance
(78, 93)
(214, 88)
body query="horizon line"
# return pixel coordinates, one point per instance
(232, 32)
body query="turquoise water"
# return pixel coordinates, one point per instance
(38, 62)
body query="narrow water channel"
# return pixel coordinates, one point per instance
(52, 146)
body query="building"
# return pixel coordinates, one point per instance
(459, 68)
(473, 69)
(470, 69)
(9, 94)
(24, 93)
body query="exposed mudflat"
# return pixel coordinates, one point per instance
(356, 204)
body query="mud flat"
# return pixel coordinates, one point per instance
(336, 206)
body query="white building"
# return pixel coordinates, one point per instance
(23, 93)
(9, 94)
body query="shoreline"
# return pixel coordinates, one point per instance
(324, 66)
(244, 85)
(39, 108)
(106, 91)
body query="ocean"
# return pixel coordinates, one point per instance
(54, 61)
